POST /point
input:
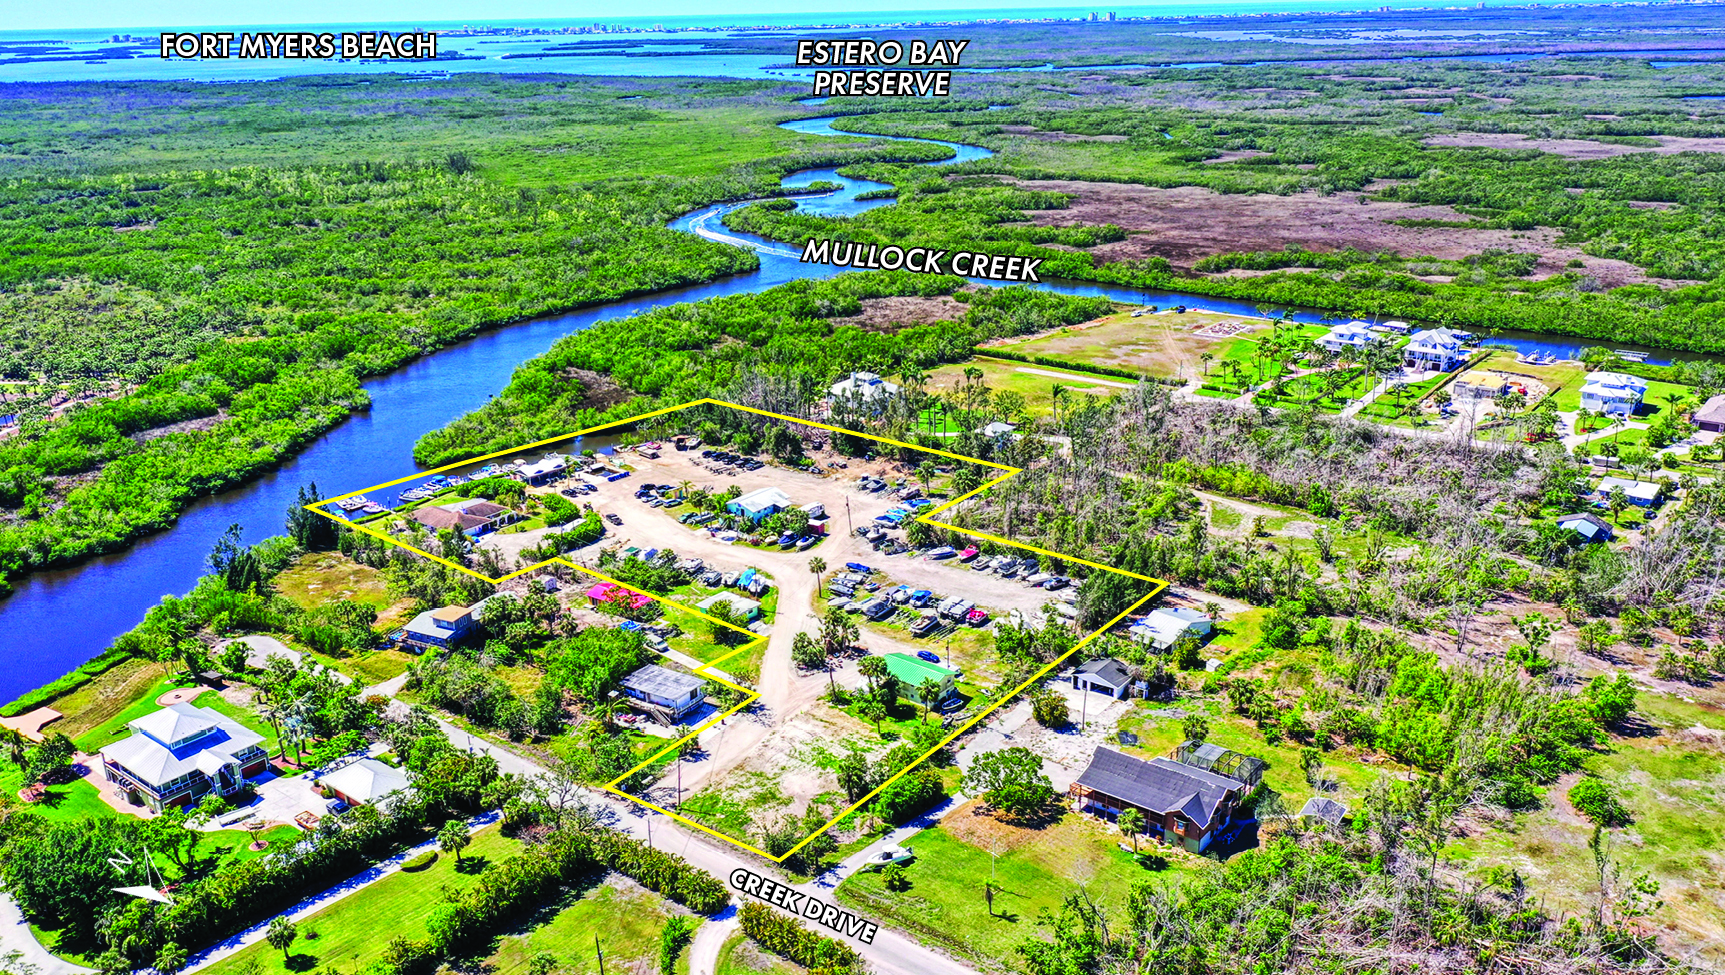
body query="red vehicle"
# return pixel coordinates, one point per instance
(976, 617)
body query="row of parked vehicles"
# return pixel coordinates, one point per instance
(855, 593)
(1004, 566)
(739, 461)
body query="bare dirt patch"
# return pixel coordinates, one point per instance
(894, 313)
(598, 389)
(1185, 223)
(969, 823)
(1231, 155)
(1032, 132)
(1574, 148)
(184, 426)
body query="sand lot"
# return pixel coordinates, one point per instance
(1185, 223)
(1574, 148)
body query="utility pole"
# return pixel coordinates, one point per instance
(600, 952)
(848, 526)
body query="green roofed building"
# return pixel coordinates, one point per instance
(912, 671)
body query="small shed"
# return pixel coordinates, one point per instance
(1104, 675)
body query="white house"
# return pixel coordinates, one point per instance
(1613, 392)
(1353, 335)
(1435, 349)
(1104, 674)
(1164, 627)
(177, 754)
(864, 386)
(759, 503)
(1641, 493)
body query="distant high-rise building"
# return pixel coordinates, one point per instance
(1110, 15)
(1093, 16)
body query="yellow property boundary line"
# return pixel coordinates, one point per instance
(751, 696)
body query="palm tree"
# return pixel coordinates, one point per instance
(1058, 394)
(15, 744)
(1206, 358)
(872, 668)
(818, 565)
(839, 633)
(925, 474)
(928, 692)
(683, 488)
(1131, 822)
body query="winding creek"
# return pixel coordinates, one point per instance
(56, 620)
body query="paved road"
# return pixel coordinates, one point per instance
(15, 936)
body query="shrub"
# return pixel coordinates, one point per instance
(662, 873)
(1594, 799)
(893, 877)
(783, 936)
(909, 795)
(420, 862)
(673, 938)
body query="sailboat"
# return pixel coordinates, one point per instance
(121, 861)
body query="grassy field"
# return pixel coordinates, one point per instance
(141, 701)
(108, 694)
(1035, 870)
(353, 932)
(323, 577)
(1667, 781)
(1002, 375)
(1160, 344)
(617, 917)
(740, 956)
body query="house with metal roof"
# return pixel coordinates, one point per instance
(1590, 527)
(669, 694)
(1435, 349)
(1181, 804)
(759, 503)
(438, 629)
(742, 607)
(865, 387)
(544, 469)
(1351, 335)
(1104, 675)
(1641, 493)
(474, 516)
(1324, 808)
(1613, 392)
(911, 671)
(180, 753)
(1165, 626)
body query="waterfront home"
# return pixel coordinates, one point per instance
(863, 387)
(473, 517)
(1352, 335)
(1711, 415)
(180, 753)
(544, 469)
(438, 629)
(668, 694)
(758, 504)
(1435, 350)
(1613, 392)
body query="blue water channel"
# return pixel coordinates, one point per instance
(56, 620)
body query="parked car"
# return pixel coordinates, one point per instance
(335, 806)
(613, 519)
(929, 655)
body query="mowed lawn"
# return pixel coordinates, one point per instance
(1035, 870)
(620, 918)
(353, 932)
(1001, 375)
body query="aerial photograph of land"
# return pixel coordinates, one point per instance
(1191, 489)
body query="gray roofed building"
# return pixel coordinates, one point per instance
(366, 782)
(669, 691)
(1711, 415)
(1181, 803)
(1104, 674)
(1590, 527)
(1326, 809)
